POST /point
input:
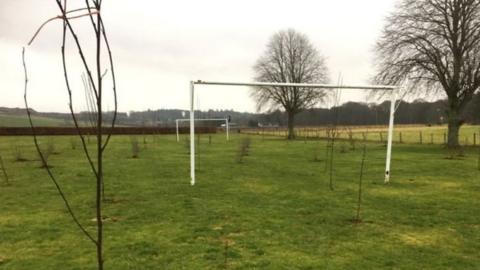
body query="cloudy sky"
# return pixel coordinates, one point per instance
(159, 46)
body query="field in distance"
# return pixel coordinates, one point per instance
(15, 120)
(273, 210)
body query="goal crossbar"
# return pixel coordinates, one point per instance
(393, 96)
(302, 85)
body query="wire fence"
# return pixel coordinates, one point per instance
(411, 134)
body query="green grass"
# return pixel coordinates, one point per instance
(9, 120)
(275, 210)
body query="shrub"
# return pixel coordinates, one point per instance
(73, 143)
(4, 171)
(316, 152)
(243, 149)
(343, 148)
(18, 152)
(51, 148)
(135, 146)
(46, 153)
(351, 140)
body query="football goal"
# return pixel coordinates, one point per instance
(222, 120)
(388, 88)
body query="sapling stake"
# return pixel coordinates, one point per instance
(360, 180)
(243, 149)
(478, 159)
(327, 151)
(334, 130)
(225, 255)
(4, 171)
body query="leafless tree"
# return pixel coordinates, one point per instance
(290, 57)
(436, 45)
(334, 133)
(92, 10)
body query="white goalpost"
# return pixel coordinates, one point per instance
(393, 96)
(227, 127)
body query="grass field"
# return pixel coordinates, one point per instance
(412, 134)
(273, 211)
(9, 120)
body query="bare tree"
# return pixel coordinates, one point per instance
(436, 45)
(95, 79)
(290, 57)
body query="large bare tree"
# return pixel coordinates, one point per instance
(436, 44)
(290, 57)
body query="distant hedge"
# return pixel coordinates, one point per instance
(25, 131)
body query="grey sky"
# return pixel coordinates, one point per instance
(159, 46)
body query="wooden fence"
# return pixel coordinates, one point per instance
(53, 131)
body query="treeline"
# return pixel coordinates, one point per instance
(416, 112)
(351, 113)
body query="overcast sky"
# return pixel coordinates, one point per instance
(159, 46)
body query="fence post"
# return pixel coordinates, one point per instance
(381, 137)
(474, 139)
(401, 139)
(444, 138)
(431, 138)
(421, 137)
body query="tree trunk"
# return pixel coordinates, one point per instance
(291, 130)
(454, 124)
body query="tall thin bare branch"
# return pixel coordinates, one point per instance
(47, 168)
(94, 94)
